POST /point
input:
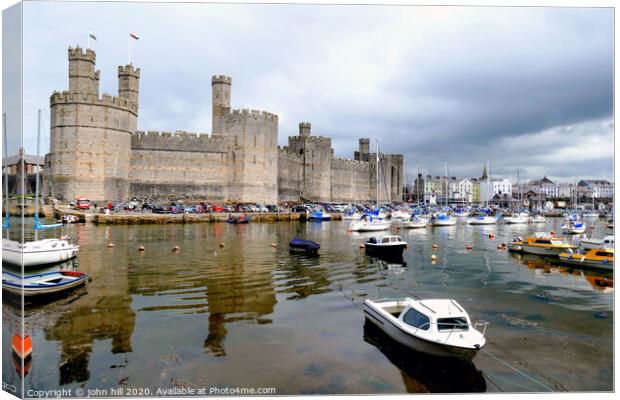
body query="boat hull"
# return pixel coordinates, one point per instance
(414, 225)
(416, 343)
(582, 262)
(15, 288)
(370, 227)
(541, 251)
(13, 253)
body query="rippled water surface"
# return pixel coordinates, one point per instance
(249, 314)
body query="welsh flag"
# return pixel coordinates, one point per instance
(134, 36)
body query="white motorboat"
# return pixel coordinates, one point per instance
(517, 218)
(590, 243)
(538, 219)
(440, 327)
(590, 214)
(47, 283)
(370, 224)
(414, 222)
(482, 219)
(443, 220)
(391, 246)
(573, 227)
(39, 252)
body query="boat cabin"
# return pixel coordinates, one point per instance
(434, 315)
(385, 239)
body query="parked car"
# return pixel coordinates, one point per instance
(82, 203)
(217, 208)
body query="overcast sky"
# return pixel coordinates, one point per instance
(526, 88)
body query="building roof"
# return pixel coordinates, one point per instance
(543, 181)
(597, 182)
(28, 159)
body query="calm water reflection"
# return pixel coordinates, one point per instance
(250, 314)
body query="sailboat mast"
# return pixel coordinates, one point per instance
(488, 182)
(6, 175)
(377, 185)
(36, 186)
(417, 184)
(446, 165)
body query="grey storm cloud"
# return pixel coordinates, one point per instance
(527, 88)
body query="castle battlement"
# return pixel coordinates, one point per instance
(349, 161)
(245, 112)
(78, 53)
(311, 139)
(221, 79)
(177, 141)
(106, 99)
(128, 70)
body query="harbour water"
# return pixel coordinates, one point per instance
(251, 315)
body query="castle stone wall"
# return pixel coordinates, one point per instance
(170, 166)
(252, 142)
(289, 175)
(350, 180)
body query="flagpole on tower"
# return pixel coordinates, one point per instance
(135, 37)
(129, 50)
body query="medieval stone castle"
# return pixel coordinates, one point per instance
(97, 152)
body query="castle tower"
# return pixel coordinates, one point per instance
(364, 146)
(129, 83)
(83, 78)
(220, 91)
(305, 128)
(90, 136)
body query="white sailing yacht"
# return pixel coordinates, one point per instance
(443, 218)
(483, 218)
(370, 222)
(37, 252)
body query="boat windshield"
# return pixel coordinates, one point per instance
(417, 319)
(448, 324)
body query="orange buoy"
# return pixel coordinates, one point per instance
(491, 236)
(468, 247)
(552, 233)
(22, 347)
(175, 248)
(435, 245)
(110, 244)
(274, 245)
(433, 257)
(222, 245)
(140, 248)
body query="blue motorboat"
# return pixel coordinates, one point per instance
(304, 246)
(319, 216)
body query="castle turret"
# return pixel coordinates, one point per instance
(220, 90)
(364, 146)
(83, 78)
(305, 128)
(129, 83)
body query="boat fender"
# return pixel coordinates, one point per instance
(605, 260)
(110, 244)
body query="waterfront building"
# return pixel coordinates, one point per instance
(97, 151)
(22, 165)
(489, 188)
(565, 190)
(465, 188)
(543, 185)
(475, 190)
(597, 188)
